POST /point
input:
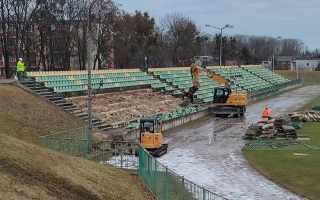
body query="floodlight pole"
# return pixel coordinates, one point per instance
(89, 103)
(221, 39)
(89, 99)
(221, 43)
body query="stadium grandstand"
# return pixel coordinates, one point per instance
(156, 92)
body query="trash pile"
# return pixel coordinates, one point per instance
(281, 127)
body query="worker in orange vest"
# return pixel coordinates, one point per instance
(266, 113)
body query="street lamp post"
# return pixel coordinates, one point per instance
(275, 51)
(221, 34)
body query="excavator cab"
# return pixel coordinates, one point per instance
(227, 103)
(151, 137)
(220, 95)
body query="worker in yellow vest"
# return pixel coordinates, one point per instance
(20, 69)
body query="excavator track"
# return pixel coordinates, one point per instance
(227, 111)
(160, 151)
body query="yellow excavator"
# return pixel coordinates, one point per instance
(225, 101)
(151, 137)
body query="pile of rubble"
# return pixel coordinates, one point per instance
(281, 127)
(125, 106)
(310, 116)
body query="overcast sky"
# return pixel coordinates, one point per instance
(285, 18)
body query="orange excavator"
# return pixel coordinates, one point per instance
(227, 102)
(151, 137)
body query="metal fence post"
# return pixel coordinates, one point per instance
(121, 160)
(203, 193)
(183, 187)
(167, 184)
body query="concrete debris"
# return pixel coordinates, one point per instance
(128, 105)
(280, 127)
(311, 116)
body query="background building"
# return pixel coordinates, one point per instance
(305, 64)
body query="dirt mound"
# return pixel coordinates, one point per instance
(28, 171)
(27, 117)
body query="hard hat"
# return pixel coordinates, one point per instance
(20, 59)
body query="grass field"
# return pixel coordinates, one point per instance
(296, 169)
(28, 171)
(309, 78)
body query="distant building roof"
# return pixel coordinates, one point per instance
(310, 59)
(284, 58)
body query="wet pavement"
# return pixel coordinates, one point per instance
(208, 152)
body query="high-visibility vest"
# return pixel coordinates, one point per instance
(20, 66)
(266, 113)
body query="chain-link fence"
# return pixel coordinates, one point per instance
(164, 183)
(120, 154)
(75, 142)
(167, 185)
(78, 142)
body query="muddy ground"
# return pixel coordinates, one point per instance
(128, 105)
(208, 152)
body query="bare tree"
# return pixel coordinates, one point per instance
(5, 17)
(103, 22)
(182, 36)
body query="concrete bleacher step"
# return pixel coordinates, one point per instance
(103, 126)
(55, 98)
(97, 123)
(28, 82)
(41, 89)
(60, 101)
(85, 118)
(82, 114)
(70, 108)
(76, 111)
(63, 103)
(45, 93)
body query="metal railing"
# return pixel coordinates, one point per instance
(76, 142)
(161, 181)
(120, 154)
(166, 184)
